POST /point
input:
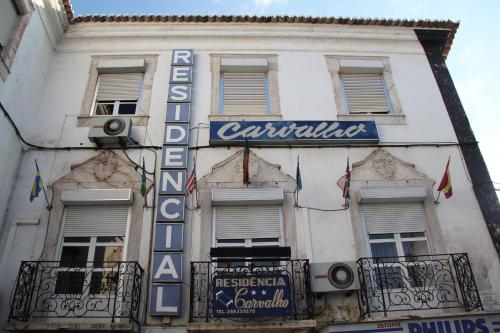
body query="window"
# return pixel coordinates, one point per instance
(92, 245)
(119, 86)
(398, 244)
(244, 86)
(80, 252)
(363, 87)
(9, 16)
(252, 225)
(14, 16)
(118, 94)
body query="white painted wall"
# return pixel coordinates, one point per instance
(56, 83)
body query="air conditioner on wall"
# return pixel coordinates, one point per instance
(334, 277)
(110, 131)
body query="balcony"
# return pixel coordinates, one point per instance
(52, 293)
(416, 283)
(251, 290)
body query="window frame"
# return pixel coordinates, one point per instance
(395, 116)
(91, 246)
(248, 242)
(398, 241)
(141, 116)
(272, 94)
(117, 103)
(8, 52)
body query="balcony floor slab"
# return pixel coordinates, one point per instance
(69, 327)
(289, 326)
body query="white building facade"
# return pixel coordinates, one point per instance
(118, 111)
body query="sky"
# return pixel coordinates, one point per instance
(472, 61)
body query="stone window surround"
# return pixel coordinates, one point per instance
(142, 115)
(396, 118)
(272, 75)
(412, 179)
(7, 56)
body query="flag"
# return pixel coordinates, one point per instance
(143, 179)
(445, 185)
(246, 158)
(37, 184)
(191, 183)
(298, 179)
(347, 181)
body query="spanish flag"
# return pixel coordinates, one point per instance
(37, 184)
(445, 185)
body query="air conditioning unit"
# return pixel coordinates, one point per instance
(334, 277)
(110, 131)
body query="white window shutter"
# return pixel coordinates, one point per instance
(237, 222)
(244, 93)
(119, 87)
(393, 218)
(365, 93)
(8, 20)
(96, 221)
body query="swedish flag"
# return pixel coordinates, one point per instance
(37, 184)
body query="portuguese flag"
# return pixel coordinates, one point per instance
(246, 158)
(445, 185)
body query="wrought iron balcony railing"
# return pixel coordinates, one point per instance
(416, 283)
(53, 289)
(250, 290)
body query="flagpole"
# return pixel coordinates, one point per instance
(196, 189)
(49, 207)
(296, 188)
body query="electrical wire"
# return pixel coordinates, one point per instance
(324, 209)
(138, 146)
(136, 164)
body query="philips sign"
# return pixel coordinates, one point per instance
(456, 324)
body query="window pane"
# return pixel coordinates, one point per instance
(103, 282)
(107, 253)
(384, 250)
(110, 239)
(127, 107)
(104, 109)
(412, 234)
(74, 256)
(416, 248)
(421, 274)
(381, 236)
(77, 239)
(389, 277)
(69, 282)
(231, 241)
(265, 240)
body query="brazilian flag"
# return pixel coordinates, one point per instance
(37, 184)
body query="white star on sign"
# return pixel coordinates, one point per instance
(263, 292)
(254, 292)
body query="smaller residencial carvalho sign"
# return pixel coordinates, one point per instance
(251, 295)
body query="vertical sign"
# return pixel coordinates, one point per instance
(169, 228)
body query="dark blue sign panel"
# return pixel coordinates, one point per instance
(169, 237)
(165, 299)
(167, 267)
(293, 132)
(251, 295)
